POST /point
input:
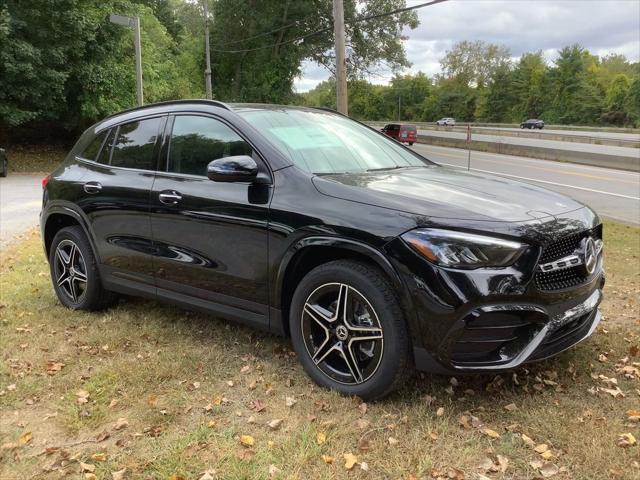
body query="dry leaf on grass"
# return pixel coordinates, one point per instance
(25, 438)
(328, 459)
(273, 470)
(392, 441)
(350, 460)
(275, 423)
(541, 448)
(528, 440)
(321, 437)
(490, 433)
(440, 412)
(626, 440)
(99, 457)
(90, 476)
(511, 407)
(290, 401)
(54, 367)
(120, 424)
(87, 467)
(548, 470)
(247, 440)
(82, 397)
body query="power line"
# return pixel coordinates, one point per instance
(317, 32)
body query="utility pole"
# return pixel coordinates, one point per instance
(138, 51)
(341, 66)
(399, 106)
(134, 23)
(207, 71)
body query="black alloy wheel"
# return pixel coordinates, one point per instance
(74, 272)
(348, 329)
(70, 271)
(342, 333)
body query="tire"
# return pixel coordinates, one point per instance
(379, 362)
(4, 168)
(410, 143)
(74, 272)
(522, 126)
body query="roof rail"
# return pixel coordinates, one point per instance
(172, 102)
(328, 109)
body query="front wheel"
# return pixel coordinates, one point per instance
(348, 329)
(410, 143)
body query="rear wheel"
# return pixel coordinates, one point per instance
(348, 329)
(74, 272)
(410, 143)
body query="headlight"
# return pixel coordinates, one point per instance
(463, 250)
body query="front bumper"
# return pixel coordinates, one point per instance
(487, 320)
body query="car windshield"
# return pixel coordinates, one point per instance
(325, 143)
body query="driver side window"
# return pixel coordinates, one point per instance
(196, 141)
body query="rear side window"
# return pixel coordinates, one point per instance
(134, 144)
(106, 148)
(196, 141)
(91, 152)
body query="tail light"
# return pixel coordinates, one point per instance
(44, 181)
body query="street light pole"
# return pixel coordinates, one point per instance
(134, 23)
(207, 72)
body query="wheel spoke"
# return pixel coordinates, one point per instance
(318, 314)
(324, 350)
(72, 254)
(341, 304)
(73, 290)
(366, 333)
(60, 255)
(79, 276)
(352, 363)
(64, 278)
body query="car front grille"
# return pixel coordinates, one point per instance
(568, 277)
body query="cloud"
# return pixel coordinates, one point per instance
(601, 26)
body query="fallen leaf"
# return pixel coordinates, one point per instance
(206, 476)
(90, 476)
(541, 448)
(87, 467)
(273, 470)
(82, 397)
(363, 408)
(364, 466)
(25, 438)
(290, 401)
(626, 440)
(102, 436)
(247, 440)
(113, 402)
(328, 459)
(119, 474)
(528, 440)
(54, 367)
(392, 441)
(120, 424)
(350, 460)
(548, 470)
(511, 407)
(275, 423)
(490, 433)
(321, 437)
(257, 405)
(440, 412)
(99, 457)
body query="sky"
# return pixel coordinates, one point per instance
(602, 26)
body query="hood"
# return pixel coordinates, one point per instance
(441, 192)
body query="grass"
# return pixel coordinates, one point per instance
(37, 159)
(189, 386)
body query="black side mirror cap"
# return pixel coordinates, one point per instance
(237, 168)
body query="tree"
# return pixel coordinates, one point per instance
(474, 63)
(258, 50)
(530, 88)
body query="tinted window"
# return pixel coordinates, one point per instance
(134, 144)
(106, 149)
(196, 141)
(91, 152)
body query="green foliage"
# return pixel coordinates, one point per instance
(481, 83)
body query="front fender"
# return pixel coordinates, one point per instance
(69, 209)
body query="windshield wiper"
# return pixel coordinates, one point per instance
(384, 168)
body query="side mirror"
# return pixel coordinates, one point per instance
(238, 168)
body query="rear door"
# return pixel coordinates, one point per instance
(117, 186)
(211, 237)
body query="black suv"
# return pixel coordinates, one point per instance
(308, 224)
(532, 123)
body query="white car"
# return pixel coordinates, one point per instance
(447, 122)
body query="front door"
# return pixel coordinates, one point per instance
(210, 237)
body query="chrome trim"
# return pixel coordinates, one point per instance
(573, 260)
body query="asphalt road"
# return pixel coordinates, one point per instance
(535, 142)
(20, 202)
(612, 193)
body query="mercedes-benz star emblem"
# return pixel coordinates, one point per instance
(589, 256)
(341, 332)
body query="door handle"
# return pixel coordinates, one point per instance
(170, 197)
(92, 187)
